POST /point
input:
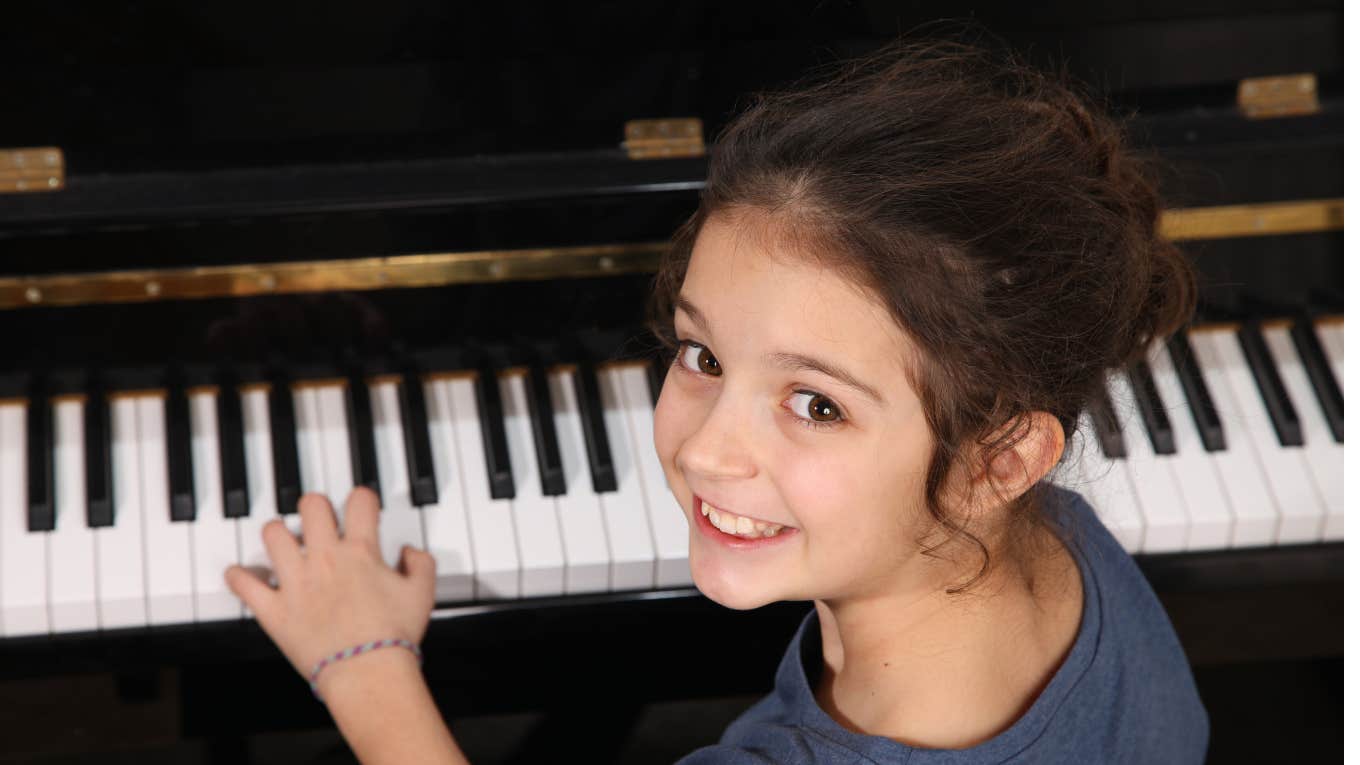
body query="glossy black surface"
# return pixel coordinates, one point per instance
(283, 441)
(1283, 416)
(231, 448)
(1320, 376)
(1108, 429)
(415, 430)
(41, 515)
(1191, 378)
(549, 457)
(599, 458)
(179, 468)
(500, 475)
(363, 452)
(98, 456)
(1151, 408)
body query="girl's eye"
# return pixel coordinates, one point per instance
(814, 407)
(697, 358)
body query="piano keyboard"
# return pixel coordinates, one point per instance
(544, 482)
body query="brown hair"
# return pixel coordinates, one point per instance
(997, 213)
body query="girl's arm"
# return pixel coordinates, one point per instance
(335, 592)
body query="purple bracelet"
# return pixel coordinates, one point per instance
(355, 651)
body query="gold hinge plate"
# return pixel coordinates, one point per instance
(664, 139)
(23, 171)
(1288, 95)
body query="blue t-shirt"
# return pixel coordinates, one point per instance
(1124, 694)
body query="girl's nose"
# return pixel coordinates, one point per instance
(719, 449)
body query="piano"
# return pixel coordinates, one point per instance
(253, 263)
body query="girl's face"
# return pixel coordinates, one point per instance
(789, 405)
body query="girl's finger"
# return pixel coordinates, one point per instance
(258, 596)
(283, 550)
(361, 518)
(419, 566)
(318, 521)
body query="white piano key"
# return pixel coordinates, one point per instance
(1206, 498)
(1159, 493)
(1256, 518)
(578, 511)
(72, 599)
(1300, 505)
(1331, 338)
(1106, 486)
(118, 548)
(311, 449)
(400, 523)
(491, 525)
(670, 530)
(625, 511)
(260, 487)
(213, 534)
(23, 554)
(446, 523)
(169, 551)
(541, 560)
(334, 427)
(1322, 454)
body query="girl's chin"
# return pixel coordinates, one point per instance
(729, 594)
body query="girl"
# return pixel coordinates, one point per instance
(900, 289)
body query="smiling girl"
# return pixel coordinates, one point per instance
(901, 288)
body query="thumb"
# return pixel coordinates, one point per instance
(258, 596)
(418, 565)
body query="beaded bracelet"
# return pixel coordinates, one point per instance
(355, 651)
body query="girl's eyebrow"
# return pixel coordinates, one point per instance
(794, 362)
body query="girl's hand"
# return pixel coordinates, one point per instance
(335, 591)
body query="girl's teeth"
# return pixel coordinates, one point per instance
(738, 525)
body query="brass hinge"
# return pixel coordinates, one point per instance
(38, 169)
(661, 139)
(1288, 95)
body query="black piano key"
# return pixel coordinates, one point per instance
(1281, 410)
(545, 433)
(178, 466)
(231, 446)
(363, 450)
(1202, 407)
(592, 416)
(1151, 408)
(1108, 430)
(98, 458)
(283, 439)
(492, 417)
(656, 376)
(415, 428)
(41, 513)
(1319, 371)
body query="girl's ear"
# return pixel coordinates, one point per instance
(1028, 460)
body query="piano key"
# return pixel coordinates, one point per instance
(446, 522)
(491, 525)
(541, 561)
(1105, 426)
(491, 415)
(119, 554)
(334, 433)
(169, 556)
(231, 447)
(1195, 393)
(1323, 455)
(1206, 499)
(631, 552)
(311, 452)
(1151, 408)
(1283, 416)
(414, 426)
(23, 553)
(182, 504)
(213, 532)
(579, 513)
(71, 595)
(1330, 335)
(670, 530)
(98, 463)
(598, 454)
(546, 451)
(41, 512)
(363, 451)
(1256, 519)
(286, 463)
(400, 522)
(1167, 523)
(1322, 382)
(259, 440)
(1106, 485)
(1296, 498)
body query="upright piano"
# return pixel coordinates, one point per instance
(244, 257)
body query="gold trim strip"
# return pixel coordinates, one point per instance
(1268, 219)
(426, 270)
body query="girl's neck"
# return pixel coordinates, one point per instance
(927, 668)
